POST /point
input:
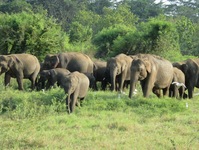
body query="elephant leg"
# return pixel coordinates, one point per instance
(147, 88)
(33, 81)
(95, 86)
(20, 83)
(68, 100)
(73, 102)
(181, 92)
(157, 92)
(190, 91)
(166, 91)
(175, 91)
(7, 79)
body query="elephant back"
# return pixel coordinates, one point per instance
(74, 61)
(29, 63)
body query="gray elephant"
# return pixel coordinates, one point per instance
(51, 76)
(76, 85)
(153, 72)
(92, 81)
(118, 69)
(19, 66)
(190, 68)
(73, 61)
(99, 73)
(177, 87)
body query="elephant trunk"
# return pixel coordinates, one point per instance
(113, 80)
(133, 82)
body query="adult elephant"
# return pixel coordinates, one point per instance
(76, 85)
(19, 66)
(153, 72)
(177, 87)
(118, 69)
(73, 61)
(190, 68)
(51, 76)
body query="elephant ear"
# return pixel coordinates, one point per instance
(11, 61)
(55, 61)
(52, 72)
(184, 68)
(148, 66)
(74, 82)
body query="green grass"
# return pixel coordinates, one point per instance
(37, 120)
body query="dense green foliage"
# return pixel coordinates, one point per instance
(27, 32)
(100, 28)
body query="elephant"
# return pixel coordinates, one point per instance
(99, 73)
(19, 66)
(178, 78)
(76, 85)
(154, 73)
(190, 68)
(73, 61)
(118, 69)
(92, 81)
(51, 76)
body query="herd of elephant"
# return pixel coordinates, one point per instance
(76, 72)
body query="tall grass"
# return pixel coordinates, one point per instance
(107, 120)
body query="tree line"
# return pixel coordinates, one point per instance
(101, 28)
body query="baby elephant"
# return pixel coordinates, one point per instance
(51, 76)
(76, 85)
(177, 87)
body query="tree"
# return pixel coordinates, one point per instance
(15, 6)
(186, 30)
(30, 33)
(121, 15)
(156, 36)
(187, 8)
(144, 9)
(97, 6)
(83, 26)
(104, 40)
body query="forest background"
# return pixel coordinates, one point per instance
(100, 28)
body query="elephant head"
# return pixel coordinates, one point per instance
(115, 67)
(6, 62)
(70, 84)
(139, 71)
(44, 76)
(51, 62)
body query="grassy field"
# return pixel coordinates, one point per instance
(38, 120)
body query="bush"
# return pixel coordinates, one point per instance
(27, 32)
(104, 40)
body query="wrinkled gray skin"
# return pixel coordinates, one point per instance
(73, 61)
(190, 68)
(52, 76)
(153, 72)
(118, 68)
(179, 77)
(19, 66)
(99, 73)
(76, 85)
